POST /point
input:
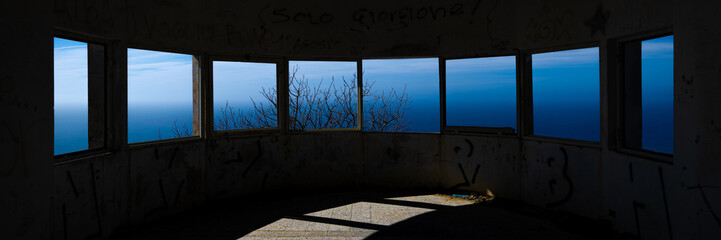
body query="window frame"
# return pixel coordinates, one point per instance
(210, 95)
(197, 81)
(621, 102)
(103, 131)
(494, 131)
(527, 91)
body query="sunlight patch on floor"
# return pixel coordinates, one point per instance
(373, 213)
(353, 221)
(300, 229)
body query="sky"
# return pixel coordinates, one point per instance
(480, 91)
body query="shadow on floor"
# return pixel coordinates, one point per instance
(366, 215)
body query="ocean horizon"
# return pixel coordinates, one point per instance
(152, 123)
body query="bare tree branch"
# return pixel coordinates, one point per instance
(318, 107)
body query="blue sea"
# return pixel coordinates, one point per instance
(156, 123)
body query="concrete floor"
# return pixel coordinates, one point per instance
(367, 215)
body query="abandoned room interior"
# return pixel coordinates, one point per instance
(409, 119)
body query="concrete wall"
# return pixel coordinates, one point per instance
(26, 121)
(95, 195)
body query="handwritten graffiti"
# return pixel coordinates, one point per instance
(665, 202)
(564, 172)
(79, 195)
(313, 44)
(151, 26)
(702, 190)
(18, 143)
(636, 206)
(97, 13)
(457, 149)
(466, 182)
(549, 28)
(366, 19)
(257, 157)
(282, 15)
(495, 43)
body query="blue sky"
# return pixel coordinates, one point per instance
(238, 82)
(481, 91)
(159, 78)
(71, 73)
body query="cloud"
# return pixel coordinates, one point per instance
(159, 77)
(401, 66)
(70, 69)
(568, 58)
(317, 70)
(481, 65)
(237, 82)
(657, 48)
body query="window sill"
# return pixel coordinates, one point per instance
(80, 155)
(567, 141)
(648, 155)
(163, 142)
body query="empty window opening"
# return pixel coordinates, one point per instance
(648, 100)
(160, 95)
(244, 95)
(322, 95)
(79, 105)
(401, 95)
(566, 94)
(481, 92)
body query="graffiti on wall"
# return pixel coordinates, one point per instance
(550, 27)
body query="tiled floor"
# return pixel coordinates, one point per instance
(373, 214)
(356, 215)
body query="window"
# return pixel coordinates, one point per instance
(401, 95)
(79, 113)
(648, 97)
(481, 92)
(566, 94)
(160, 96)
(322, 95)
(244, 95)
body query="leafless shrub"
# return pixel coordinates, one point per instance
(318, 107)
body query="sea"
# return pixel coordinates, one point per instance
(151, 123)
